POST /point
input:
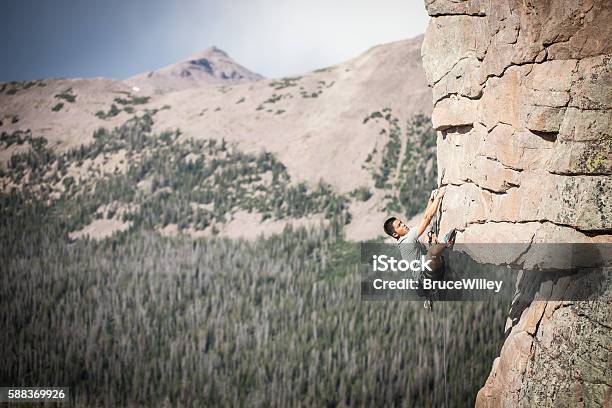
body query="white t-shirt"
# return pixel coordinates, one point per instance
(410, 247)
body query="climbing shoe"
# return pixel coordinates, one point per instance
(450, 236)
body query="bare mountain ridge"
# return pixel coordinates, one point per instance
(316, 124)
(210, 66)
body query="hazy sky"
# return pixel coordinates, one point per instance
(120, 38)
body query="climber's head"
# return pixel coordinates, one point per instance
(395, 227)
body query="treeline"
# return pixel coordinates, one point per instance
(165, 178)
(405, 166)
(144, 320)
(194, 183)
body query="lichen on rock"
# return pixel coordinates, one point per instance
(522, 97)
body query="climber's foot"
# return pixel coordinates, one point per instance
(450, 236)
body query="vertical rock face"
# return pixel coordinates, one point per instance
(522, 95)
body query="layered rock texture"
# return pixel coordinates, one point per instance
(522, 95)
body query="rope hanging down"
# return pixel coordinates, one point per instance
(437, 231)
(444, 356)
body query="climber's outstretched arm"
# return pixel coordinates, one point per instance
(432, 207)
(430, 202)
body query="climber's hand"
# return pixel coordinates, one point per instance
(433, 195)
(441, 192)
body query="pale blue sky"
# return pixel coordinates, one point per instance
(120, 38)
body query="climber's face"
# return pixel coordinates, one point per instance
(400, 228)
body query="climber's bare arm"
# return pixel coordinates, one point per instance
(430, 202)
(430, 211)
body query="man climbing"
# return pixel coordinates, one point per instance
(411, 248)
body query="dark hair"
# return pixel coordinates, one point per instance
(388, 226)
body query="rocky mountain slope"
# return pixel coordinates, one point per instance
(351, 126)
(143, 319)
(522, 102)
(210, 66)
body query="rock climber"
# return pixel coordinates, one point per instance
(411, 248)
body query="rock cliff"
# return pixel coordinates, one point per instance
(522, 98)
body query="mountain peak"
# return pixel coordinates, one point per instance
(207, 67)
(209, 53)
